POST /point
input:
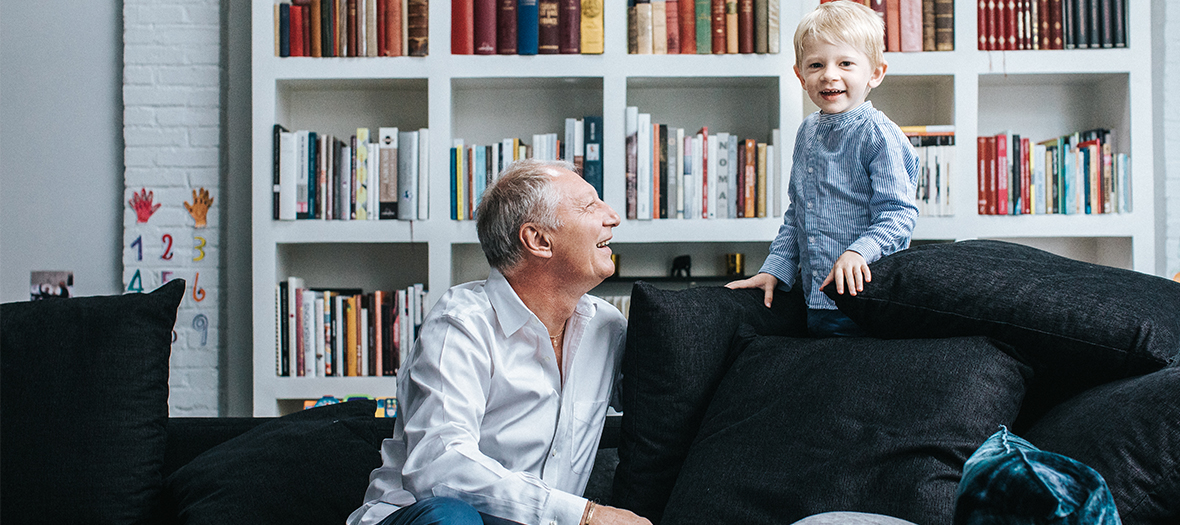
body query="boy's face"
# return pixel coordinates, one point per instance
(837, 76)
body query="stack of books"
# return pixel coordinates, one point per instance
(916, 25)
(935, 146)
(526, 27)
(324, 332)
(1052, 24)
(351, 28)
(318, 176)
(686, 27)
(1072, 174)
(674, 174)
(474, 167)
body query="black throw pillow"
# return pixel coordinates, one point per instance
(85, 399)
(804, 426)
(678, 348)
(310, 467)
(1078, 324)
(1129, 431)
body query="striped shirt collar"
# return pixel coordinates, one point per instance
(852, 115)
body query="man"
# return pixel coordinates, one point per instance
(504, 395)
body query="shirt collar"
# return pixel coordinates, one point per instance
(837, 119)
(511, 312)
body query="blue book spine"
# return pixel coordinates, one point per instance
(284, 30)
(454, 191)
(313, 174)
(527, 20)
(592, 157)
(479, 175)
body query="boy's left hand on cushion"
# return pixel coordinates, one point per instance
(851, 272)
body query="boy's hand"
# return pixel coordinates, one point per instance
(851, 272)
(764, 281)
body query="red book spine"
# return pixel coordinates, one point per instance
(1002, 175)
(305, 12)
(981, 174)
(745, 26)
(1057, 36)
(1011, 31)
(718, 26)
(506, 28)
(393, 28)
(992, 177)
(462, 27)
(892, 25)
(382, 23)
(296, 31)
(688, 27)
(672, 12)
(993, 27)
(981, 30)
(569, 27)
(484, 20)
(655, 169)
(352, 28)
(548, 32)
(751, 180)
(1026, 192)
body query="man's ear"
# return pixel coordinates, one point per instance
(536, 241)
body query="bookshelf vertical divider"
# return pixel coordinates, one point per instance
(967, 88)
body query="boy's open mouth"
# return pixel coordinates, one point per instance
(831, 92)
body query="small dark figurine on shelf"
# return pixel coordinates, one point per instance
(682, 266)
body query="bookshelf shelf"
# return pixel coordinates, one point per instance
(484, 99)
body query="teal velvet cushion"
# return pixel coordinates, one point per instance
(1008, 481)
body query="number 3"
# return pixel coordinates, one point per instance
(200, 247)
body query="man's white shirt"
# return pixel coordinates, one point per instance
(484, 415)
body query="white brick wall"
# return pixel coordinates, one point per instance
(172, 89)
(1171, 141)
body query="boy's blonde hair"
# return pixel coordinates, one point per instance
(843, 21)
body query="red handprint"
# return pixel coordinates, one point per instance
(142, 203)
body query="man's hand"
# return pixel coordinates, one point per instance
(764, 281)
(851, 272)
(604, 515)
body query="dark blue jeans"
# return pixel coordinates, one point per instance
(832, 323)
(441, 511)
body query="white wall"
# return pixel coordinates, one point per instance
(61, 145)
(1168, 137)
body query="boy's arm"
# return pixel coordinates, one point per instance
(783, 260)
(893, 172)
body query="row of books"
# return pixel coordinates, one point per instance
(319, 176)
(1072, 174)
(935, 147)
(686, 27)
(474, 167)
(915, 25)
(526, 27)
(324, 332)
(1009, 25)
(386, 406)
(672, 174)
(351, 28)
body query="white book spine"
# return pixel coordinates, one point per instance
(339, 326)
(711, 174)
(318, 336)
(423, 170)
(680, 173)
(568, 140)
(698, 176)
(307, 314)
(287, 175)
(301, 171)
(721, 160)
(407, 181)
(643, 168)
(733, 176)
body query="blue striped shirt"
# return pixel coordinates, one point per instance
(852, 181)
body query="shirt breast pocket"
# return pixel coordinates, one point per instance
(588, 418)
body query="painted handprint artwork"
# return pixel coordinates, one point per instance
(200, 206)
(142, 204)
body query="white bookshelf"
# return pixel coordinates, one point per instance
(482, 99)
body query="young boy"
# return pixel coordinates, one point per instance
(853, 170)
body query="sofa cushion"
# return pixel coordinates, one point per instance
(804, 426)
(677, 352)
(1078, 324)
(1010, 481)
(1129, 431)
(85, 398)
(308, 467)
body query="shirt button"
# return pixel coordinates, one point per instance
(814, 273)
(809, 170)
(811, 239)
(809, 205)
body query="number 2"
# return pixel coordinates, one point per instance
(167, 255)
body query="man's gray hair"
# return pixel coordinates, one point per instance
(522, 193)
